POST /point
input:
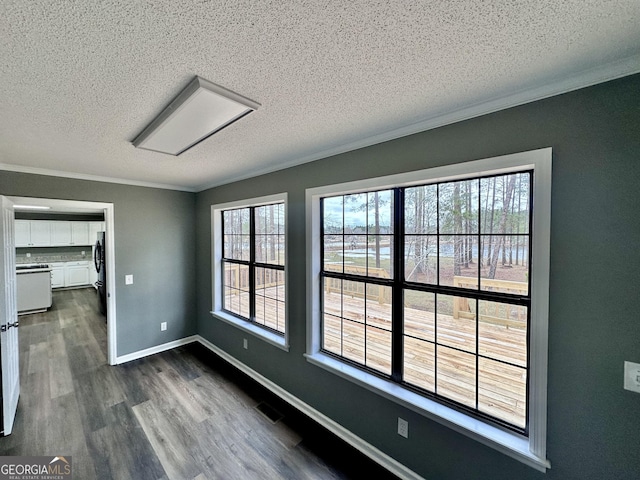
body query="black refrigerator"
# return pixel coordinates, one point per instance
(99, 253)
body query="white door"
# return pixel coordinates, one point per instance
(8, 319)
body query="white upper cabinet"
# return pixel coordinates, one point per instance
(56, 233)
(31, 233)
(94, 228)
(60, 233)
(40, 234)
(23, 233)
(80, 233)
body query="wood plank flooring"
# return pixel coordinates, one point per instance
(364, 337)
(181, 414)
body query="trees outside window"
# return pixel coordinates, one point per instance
(428, 285)
(253, 259)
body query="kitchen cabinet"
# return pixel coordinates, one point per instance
(31, 233)
(94, 228)
(57, 274)
(40, 234)
(23, 233)
(56, 233)
(80, 233)
(76, 273)
(60, 233)
(72, 274)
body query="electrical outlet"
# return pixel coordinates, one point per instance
(28, 255)
(163, 326)
(245, 343)
(128, 279)
(632, 376)
(403, 427)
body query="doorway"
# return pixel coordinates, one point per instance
(70, 207)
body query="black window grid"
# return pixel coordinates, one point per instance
(399, 285)
(252, 266)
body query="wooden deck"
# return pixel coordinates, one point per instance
(270, 306)
(365, 330)
(501, 388)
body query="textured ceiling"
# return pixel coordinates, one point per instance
(80, 79)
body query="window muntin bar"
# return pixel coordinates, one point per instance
(253, 259)
(465, 246)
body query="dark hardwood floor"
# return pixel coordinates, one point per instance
(181, 414)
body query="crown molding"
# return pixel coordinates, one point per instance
(94, 178)
(568, 83)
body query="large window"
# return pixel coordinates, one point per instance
(429, 286)
(425, 282)
(249, 266)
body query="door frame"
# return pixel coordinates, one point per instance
(108, 210)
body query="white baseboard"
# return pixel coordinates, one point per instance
(157, 349)
(349, 437)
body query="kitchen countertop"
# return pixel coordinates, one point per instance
(52, 259)
(32, 270)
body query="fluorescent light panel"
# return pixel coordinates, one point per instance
(200, 110)
(31, 207)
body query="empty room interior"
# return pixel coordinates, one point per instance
(323, 240)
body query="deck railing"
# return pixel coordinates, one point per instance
(492, 312)
(237, 277)
(378, 293)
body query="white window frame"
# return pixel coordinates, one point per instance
(217, 243)
(530, 450)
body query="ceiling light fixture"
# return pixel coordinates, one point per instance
(200, 110)
(31, 207)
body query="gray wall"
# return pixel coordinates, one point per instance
(594, 327)
(154, 241)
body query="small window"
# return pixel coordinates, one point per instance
(431, 288)
(249, 251)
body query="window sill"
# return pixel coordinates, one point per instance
(263, 334)
(509, 443)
